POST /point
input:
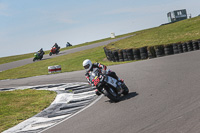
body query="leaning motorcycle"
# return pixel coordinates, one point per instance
(38, 56)
(109, 86)
(54, 51)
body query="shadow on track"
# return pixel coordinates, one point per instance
(123, 98)
(129, 96)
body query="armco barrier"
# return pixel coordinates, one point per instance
(53, 69)
(149, 52)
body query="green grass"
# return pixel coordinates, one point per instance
(8, 59)
(172, 33)
(70, 62)
(19, 105)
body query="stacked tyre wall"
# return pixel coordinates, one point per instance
(149, 52)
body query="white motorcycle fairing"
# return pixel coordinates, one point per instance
(112, 81)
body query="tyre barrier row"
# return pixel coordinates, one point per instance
(151, 51)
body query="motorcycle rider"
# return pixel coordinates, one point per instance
(56, 46)
(41, 52)
(89, 67)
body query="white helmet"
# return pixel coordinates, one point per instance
(87, 64)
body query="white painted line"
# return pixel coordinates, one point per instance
(74, 114)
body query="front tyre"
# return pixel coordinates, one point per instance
(126, 90)
(34, 59)
(50, 54)
(112, 95)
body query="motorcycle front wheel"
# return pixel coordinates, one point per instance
(126, 90)
(34, 59)
(111, 94)
(50, 54)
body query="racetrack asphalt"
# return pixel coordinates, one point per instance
(164, 98)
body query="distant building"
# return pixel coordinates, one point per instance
(177, 15)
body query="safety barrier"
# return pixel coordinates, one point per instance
(149, 52)
(53, 69)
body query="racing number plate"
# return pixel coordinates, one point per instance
(112, 81)
(96, 81)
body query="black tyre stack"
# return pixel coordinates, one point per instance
(168, 49)
(189, 46)
(136, 54)
(105, 51)
(195, 44)
(180, 47)
(125, 55)
(115, 54)
(185, 49)
(175, 48)
(159, 50)
(151, 52)
(110, 54)
(120, 55)
(143, 53)
(130, 54)
(199, 43)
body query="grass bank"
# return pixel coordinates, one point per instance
(69, 62)
(181, 31)
(19, 105)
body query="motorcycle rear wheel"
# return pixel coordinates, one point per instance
(112, 95)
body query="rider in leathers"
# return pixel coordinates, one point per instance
(41, 52)
(89, 67)
(56, 46)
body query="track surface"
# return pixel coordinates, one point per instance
(11, 65)
(164, 98)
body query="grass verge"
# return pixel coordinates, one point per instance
(181, 31)
(69, 62)
(19, 105)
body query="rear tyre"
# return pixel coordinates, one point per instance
(57, 52)
(112, 95)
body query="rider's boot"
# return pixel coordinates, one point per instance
(97, 92)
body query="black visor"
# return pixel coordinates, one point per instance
(87, 66)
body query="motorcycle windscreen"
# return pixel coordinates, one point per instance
(93, 74)
(112, 81)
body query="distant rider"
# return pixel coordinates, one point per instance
(89, 67)
(56, 46)
(41, 52)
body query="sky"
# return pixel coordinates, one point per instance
(28, 25)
